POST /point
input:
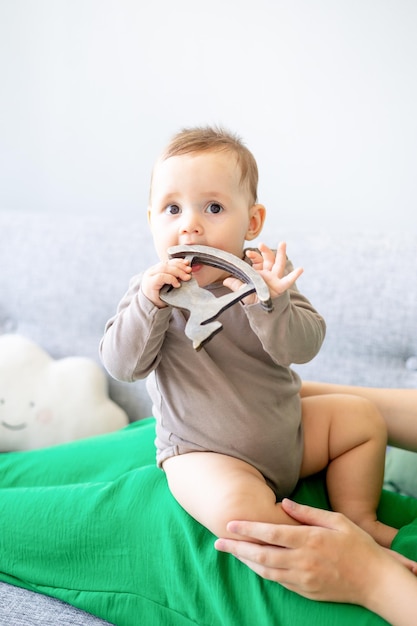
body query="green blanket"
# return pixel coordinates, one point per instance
(93, 523)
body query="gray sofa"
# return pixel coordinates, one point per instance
(62, 277)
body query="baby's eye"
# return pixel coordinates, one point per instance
(214, 208)
(173, 209)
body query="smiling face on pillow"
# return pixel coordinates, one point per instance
(44, 401)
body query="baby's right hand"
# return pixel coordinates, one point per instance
(170, 272)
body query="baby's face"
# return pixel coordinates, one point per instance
(198, 199)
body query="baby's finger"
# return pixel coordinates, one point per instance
(256, 258)
(180, 268)
(293, 276)
(268, 256)
(280, 260)
(232, 283)
(180, 263)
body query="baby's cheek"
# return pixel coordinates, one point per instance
(44, 416)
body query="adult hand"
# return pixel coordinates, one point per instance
(328, 558)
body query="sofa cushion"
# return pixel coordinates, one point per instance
(19, 607)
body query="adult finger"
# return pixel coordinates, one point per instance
(313, 516)
(278, 535)
(264, 557)
(280, 565)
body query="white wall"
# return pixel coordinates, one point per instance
(323, 91)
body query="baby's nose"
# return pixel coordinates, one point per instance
(190, 222)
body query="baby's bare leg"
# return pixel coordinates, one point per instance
(351, 433)
(397, 406)
(216, 489)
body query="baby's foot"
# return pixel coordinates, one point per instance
(381, 533)
(384, 535)
(408, 563)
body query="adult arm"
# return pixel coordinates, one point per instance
(397, 406)
(328, 558)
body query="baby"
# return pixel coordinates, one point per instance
(232, 432)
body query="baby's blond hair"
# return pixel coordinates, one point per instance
(206, 138)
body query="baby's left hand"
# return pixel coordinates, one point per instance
(271, 267)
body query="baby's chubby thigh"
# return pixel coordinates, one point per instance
(216, 489)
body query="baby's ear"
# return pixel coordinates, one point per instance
(257, 214)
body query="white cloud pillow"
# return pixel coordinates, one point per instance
(44, 401)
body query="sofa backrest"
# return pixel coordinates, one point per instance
(61, 278)
(365, 286)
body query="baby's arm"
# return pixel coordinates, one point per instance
(133, 337)
(294, 331)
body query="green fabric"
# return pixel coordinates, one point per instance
(93, 523)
